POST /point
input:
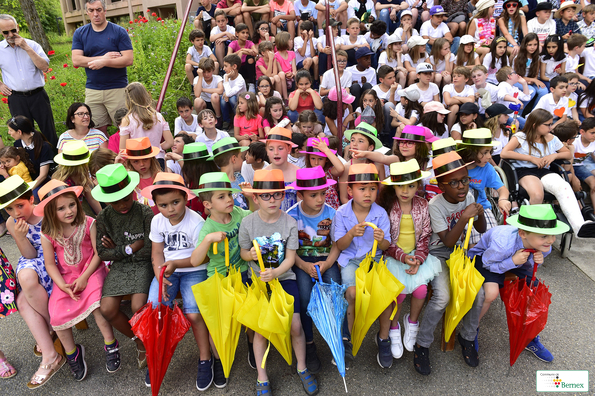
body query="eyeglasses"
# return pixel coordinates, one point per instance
(455, 183)
(267, 196)
(549, 125)
(82, 115)
(573, 84)
(5, 32)
(512, 5)
(263, 28)
(341, 61)
(407, 143)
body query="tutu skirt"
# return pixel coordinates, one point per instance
(426, 272)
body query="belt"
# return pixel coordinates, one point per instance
(28, 93)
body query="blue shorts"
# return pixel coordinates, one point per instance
(180, 282)
(290, 286)
(491, 277)
(582, 172)
(589, 164)
(348, 272)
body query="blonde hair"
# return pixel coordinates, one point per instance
(415, 52)
(140, 105)
(154, 167)
(51, 226)
(282, 41)
(390, 54)
(78, 174)
(100, 158)
(493, 124)
(437, 48)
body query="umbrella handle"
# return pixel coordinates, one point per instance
(257, 248)
(468, 236)
(318, 272)
(533, 276)
(226, 250)
(375, 246)
(160, 298)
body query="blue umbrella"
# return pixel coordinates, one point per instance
(327, 309)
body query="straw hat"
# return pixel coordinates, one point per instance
(450, 162)
(214, 181)
(483, 4)
(310, 149)
(224, 145)
(74, 152)
(565, 5)
(114, 182)
(167, 180)
(195, 151)
(540, 219)
(311, 179)
(53, 189)
(281, 135)
(267, 181)
(417, 133)
(366, 130)
(363, 173)
(12, 188)
(405, 173)
(139, 148)
(442, 146)
(477, 137)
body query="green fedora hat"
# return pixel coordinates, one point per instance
(74, 152)
(214, 181)
(224, 145)
(540, 219)
(477, 137)
(366, 130)
(195, 151)
(12, 188)
(114, 182)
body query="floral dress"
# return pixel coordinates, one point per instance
(37, 264)
(332, 196)
(8, 287)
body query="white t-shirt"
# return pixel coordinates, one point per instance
(369, 74)
(196, 56)
(506, 89)
(328, 79)
(361, 40)
(399, 33)
(433, 32)
(248, 171)
(542, 31)
(327, 131)
(229, 29)
(572, 100)
(547, 103)
(212, 85)
(322, 41)
(179, 240)
(203, 138)
(428, 94)
(487, 62)
(450, 88)
(551, 65)
(493, 90)
(383, 60)
(441, 66)
(581, 152)
(503, 140)
(407, 58)
(572, 63)
(384, 95)
(401, 110)
(174, 166)
(589, 57)
(375, 44)
(298, 43)
(180, 125)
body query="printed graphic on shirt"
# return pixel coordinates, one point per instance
(272, 250)
(316, 241)
(177, 240)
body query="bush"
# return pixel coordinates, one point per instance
(153, 44)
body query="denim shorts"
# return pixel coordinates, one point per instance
(348, 272)
(582, 172)
(180, 282)
(589, 164)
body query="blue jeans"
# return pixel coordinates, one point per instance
(305, 285)
(294, 115)
(535, 92)
(180, 282)
(391, 26)
(229, 107)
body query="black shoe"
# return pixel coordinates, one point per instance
(421, 360)
(312, 361)
(112, 357)
(469, 353)
(147, 380)
(587, 230)
(219, 123)
(204, 378)
(77, 364)
(384, 356)
(225, 125)
(348, 355)
(251, 358)
(218, 375)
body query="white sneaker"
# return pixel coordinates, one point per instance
(396, 345)
(410, 336)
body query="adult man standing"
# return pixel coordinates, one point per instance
(23, 63)
(104, 50)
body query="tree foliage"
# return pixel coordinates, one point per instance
(48, 11)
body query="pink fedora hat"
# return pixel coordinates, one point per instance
(417, 133)
(346, 96)
(310, 149)
(311, 179)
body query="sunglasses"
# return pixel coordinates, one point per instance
(5, 32)
(512, 5)
(455, 183)
(267, 196)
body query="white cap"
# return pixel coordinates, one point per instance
(414, 41)
(467, 39)
(411, 92)
(406, 12)
(424, 68)
(393, 39)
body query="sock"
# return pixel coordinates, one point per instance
(110, 344)
(395, 328)
(302, 371)
(262, 382)
(410, 321)
(70, 355)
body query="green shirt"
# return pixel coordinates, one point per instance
(217, 261)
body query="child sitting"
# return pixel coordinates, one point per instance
(467, 118)
(587, 26)
(285, 58)
(553, 59)
(466, 55)
(304, 97)
(247, 121)
(266, 67)
(256, 158)
(543, 24)
(584, 147)
(377, 39)
(15, 161)
(331, 116)
(443, 61)
(174, 160)
(497, 122)
(408, 111)
(496, 59)
(233, 84)
(318, 153)
(275, 114)
(268, 226)
(265, 92)
(429, 92)
(324, 49)
(576, 45)
(308, 125)
(508, 93)
(556, 101)
(393, 57)
(226, 155)
(186, 122)
(387, 91)
(435, 28)
(282, 17)
(210, 134)
(208, 90)
(573, 85)
(564, 17)
(197, 51)
(353, 40)
(305, 48)
(458, 93)
(479, 76)
(415, 57)
(221, 35)
(247, 51)
(345, 77)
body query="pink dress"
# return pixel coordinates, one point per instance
(74, 255)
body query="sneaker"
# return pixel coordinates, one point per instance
(147, 380)
(348, 354)
(384, 356)
(77, 364)
(251, 358)
(219, 123)
(312, 361)
(476, 340)
(219, 376)
(396, 344)
(112, 357)
(309, 382)
(263, 388)
(410, 336)
(204, 378)
(469, 353)
(421, 360)
(537, 348)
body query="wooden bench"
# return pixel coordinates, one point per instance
(82, 325)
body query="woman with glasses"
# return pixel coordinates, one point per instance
(78, 120)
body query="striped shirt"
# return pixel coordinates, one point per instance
(94, 139)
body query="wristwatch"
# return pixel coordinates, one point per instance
(128, 250)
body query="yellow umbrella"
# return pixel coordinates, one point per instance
(465, 282)
(219, 298)
(269, 317)
(375, 289)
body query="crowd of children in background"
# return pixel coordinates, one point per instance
(433, 99)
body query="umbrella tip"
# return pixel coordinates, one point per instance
(344, 383)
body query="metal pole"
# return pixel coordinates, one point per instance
(333, 60)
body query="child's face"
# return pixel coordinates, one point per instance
(425, 77)
(459, 79)
(539, 242)
(313, 200)
(264, 87)
(123, 205)
(579, 50)
(406, 20)
(272, 205)
(341, 62)
(466, 119)
(354, 29)
(588, 135)
(277, 153)
(503, 119)
(363, 194)
(66, 209)
(397, 47)
(208, 121)
(8, 162)
(445, 50)
(407, 148)
(512, 7)
(389, 79)
(560, 89)
(178, 146)
(543, 16)
(545, 128)
(437, 19)
(532, 46)
(335, 31)
(141, 165)
(589, 17)
(304, 83)
(242, 105)
(360, 142)
(484, 156)
(460, 178)
(552, 48)
(440, 118)
(374, 36)
(307, 128)
(468, 48)
(207, 75)
(568, 13)
(478, 77)
(365, 61)
(16, 135)
(501, 48)
(406, 192)
(277, 111)
(369, 101)
(513, 78)
(227, 68)
(221, 202)
(21, 209)
(236, 163)
(250, 158)
(316, 160)
(243, 35)
(172, 206)
(205, 3)
(221, 22)
(199, 42)
(185, 113)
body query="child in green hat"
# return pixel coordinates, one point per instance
(227, 156)
(516, 248)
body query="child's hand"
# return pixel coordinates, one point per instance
(21, 227)
(548, 159)
(412, 270)
(518, 101)
(327, 50)
(394, 86)
(3, 172)
(378, 235)
(471, 211)
(472, 125)
(225, 96)
(321, 145)
(66, 288)
(522, 80)
(410, 260)
(107, 242)
(268, 275)
(393, 113)
(312, 270)
(170, 269)
(538, 258)
(505, 206)
(521, 257)
(220, 41)
(358, 154)
(254, 255)
(358, 230)
(79, 285)
(289, 76)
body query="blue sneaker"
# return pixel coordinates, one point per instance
(537, 348)
(147, 380)
(204, 378)
(384, 356)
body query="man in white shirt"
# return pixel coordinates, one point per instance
(23, 62)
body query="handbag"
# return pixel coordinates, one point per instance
(8, 287)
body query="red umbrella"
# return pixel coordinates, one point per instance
(160, 330)
(526, 311)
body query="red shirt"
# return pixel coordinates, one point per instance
(304, 103)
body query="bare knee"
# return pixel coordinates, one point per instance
(350, 295)
(28, 278)
(188, 67)
(214, 98)
(296, 326)
(282, 76)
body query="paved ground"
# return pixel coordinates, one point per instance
(568, 335)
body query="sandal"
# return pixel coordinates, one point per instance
(141, 363)
(309, 382)
(421, 360)
(37, 351)
(263, 389)
(6, 368)
(40, 379)
(469, 353)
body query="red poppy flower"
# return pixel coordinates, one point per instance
(63, 84)
(158, 19)
(136, 20)
(10, 284)
(50, 69)
(148, 10)
(65, 65)
(154, 14)
(131, 22)
(52, 77)
(4, 100)
(51, 52)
